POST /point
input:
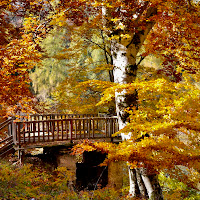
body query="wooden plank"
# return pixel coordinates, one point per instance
(106, 127)
(38, 131)
(6, 139)
(7, 152)
(116, 125)
(89, 127)
(75, 121)
(66, 129)
(55, 120)
(48, 123)
(29, 133)
(43, 130)
(31, 126)
(2, 127)
(83, 128)
(70, 128)
(58, 129)
(62, 130)
(80, 127)
(5, 122)
(76, 127)
(34, 130)
(53, 129)
(9, 143)
(10, 128)
(93, 128)
(14, 131)
(97, 127)
(111, 127)
(34, 126)
(19, 138)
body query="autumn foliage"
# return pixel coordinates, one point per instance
(17, 56)
(163, 121)
(22, 182)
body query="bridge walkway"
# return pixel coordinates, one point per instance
(40, 130)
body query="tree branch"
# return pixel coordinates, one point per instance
(97, 45)
(111, 75)
(141, 59)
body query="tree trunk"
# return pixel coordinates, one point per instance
(124, 53)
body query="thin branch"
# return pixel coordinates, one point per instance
(94, 43)
(97, 45)
(149, 12)
(104, 47)
(141, 59)
(111, 75)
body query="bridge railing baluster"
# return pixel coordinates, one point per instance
(80, 127)
(89, 127)
(38, 131)
(14, 132)
(110, 127)
(29, 132)
(70, 129)
(62, 129)
(66, 130)
(83, 128)
(53, 129)
(19, 133)
(105, 126)
(23, 133)
(75, 126)
(34, 130)
(43, 130)
(67, 127)
(58, 129)
(92, 128)
(48, 123)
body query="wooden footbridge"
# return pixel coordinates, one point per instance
(40, 130)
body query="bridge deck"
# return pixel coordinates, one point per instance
(54, 129)
(67, 129)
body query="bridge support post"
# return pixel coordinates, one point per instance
(10, 127)
(21, 155)
(14, 132)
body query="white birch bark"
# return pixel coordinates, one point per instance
(120, 62)
(124, 52)
(125, 69)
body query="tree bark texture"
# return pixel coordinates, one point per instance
(142, 184)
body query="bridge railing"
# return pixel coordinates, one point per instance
(6, 145)
(6, 126)
(37, 117)
(48, 130)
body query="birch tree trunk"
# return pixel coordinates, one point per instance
(124, 54)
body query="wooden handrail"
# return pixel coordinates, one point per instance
(36, 117)
(64, 129)
(5, 123)
(6, 146)
(5, 140)
(68, 119)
